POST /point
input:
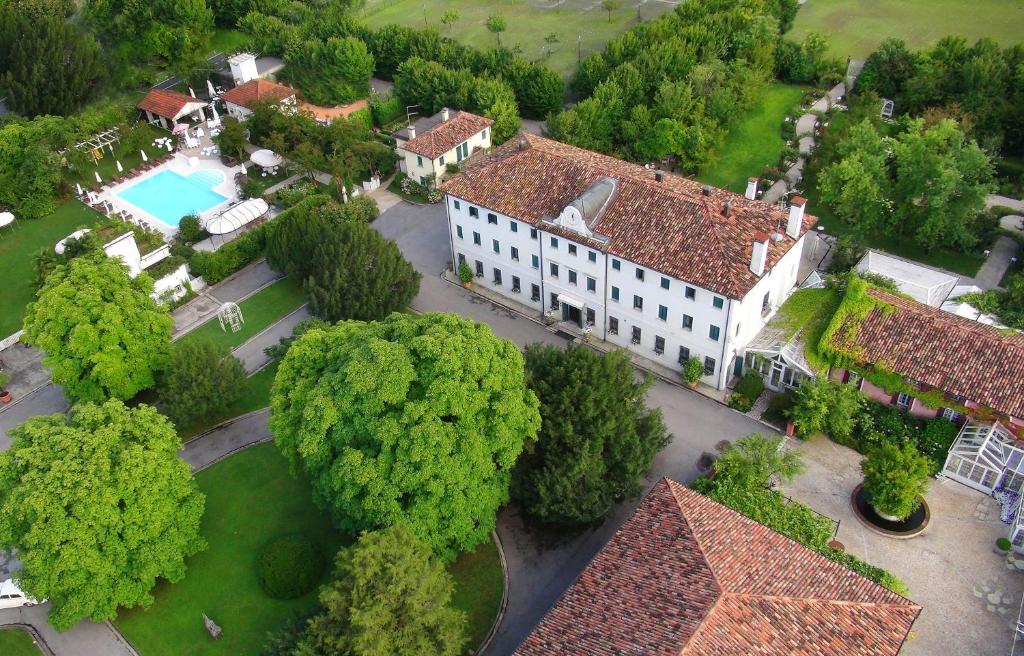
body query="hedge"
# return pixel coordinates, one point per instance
(290, 566)
(218, 265)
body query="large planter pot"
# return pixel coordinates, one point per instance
(692, 385)
(888, 525)
(5, 396)
(467, 285)
(790, 428)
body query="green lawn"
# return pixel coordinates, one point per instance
(251, 498)
(18, 246)
(856, 27)
(129, 159)
(15, 642)
(256, 396)
(258, 311)
(228, 41)
(753, 143)
(578, 25)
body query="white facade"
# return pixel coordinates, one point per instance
(243, 67)
(420, 167)
(242, 113)
(582, 284)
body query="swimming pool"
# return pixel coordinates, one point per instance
(169, 196)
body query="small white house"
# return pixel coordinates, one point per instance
(425, 148)
(165, 108)
(238, 101)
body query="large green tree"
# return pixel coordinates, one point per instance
(201, 381)
(416, 419)
(597, 435)
(103, 335)
(331, 72)
(296, 232)
(355, 273)
(98, 506)
(47, 66)
(389, 595)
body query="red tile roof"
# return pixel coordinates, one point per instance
(257, 90)
(940, 349)
(688, 576)
(669, 226)
(168, 104)
(446, 135)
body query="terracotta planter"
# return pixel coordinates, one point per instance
(467, 285)
(790, 428)
(5, 396)
(693, 385)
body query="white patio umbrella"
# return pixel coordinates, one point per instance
(170, 147)
(144, 158)
(117, 163)
(78, 188)
(191, 92)
(98, 178)
(209, 87)
(216, 117)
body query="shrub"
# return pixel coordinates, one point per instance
(465, 273)
(692, 371)
(1004, 544)
(253, 188)
(291, 566)
(740, 402)
(293, 194)
(778, 409)
(895, 475)
(189, 228)
(751, 385)
(936, 438)
(823, 406)
(231, 257)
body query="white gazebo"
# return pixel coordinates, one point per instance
(266, 159)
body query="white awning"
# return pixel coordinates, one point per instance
(570, 300)
(235, 217)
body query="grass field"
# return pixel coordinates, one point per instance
(251, 498)
(18, 246)
(258, 311)
(578, 25)
(228, 41)
(856, 27)
(15, 642)
(753, 143)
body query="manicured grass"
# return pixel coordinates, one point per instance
(251, 499)
(228, 41)
(256, 396)
(529, 23)
(19, 245)
(258, 311)
(15, 642)
(755, 142)
(478, 587)
(856, 27)
(809, 310)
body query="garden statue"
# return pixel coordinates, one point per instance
(211, 627)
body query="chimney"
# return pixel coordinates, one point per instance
(659, 176)
(751, 188)
(522, 144)
(796, 216)
(759, 254)
(444, 114)
(726, 208)
(412, 131)
(706, 190)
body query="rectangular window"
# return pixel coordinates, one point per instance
(592, 256)
(615, 293)
(458, 205)
(441, 160)
(483, 134)
(515, 284)
(904, 400)
(572, 249)
(497, 276)
(591, 284)
(659, 344)
(635, 338)
(474, 212)
(663, 313)
(419, 161)
(492, 218)
(554, 242)
(554, 270)
(709, 366)
(719, 302)
(495, 246)
(613, 325)
(476, 238)
(714, 332)
(687, 322)
(458, 231)
(572, 277)
(664, 282)
(638, 302)
(479, 269)
(765, 302)
(533, 233)
(513, 226)
(534, 292)
(951, 414)
(515, 254)
(691, 293)
(554, 301)
(639, 273)
(684, 354)
(590, 316)
(616, 264)
(462, 258)
(535, 261)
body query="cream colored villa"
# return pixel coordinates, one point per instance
(426, 148)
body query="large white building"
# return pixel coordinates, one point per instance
(652, 262)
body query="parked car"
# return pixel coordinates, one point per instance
(11, 596)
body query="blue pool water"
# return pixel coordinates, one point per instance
(169, 196)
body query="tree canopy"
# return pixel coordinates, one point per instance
(98, 506)
(201, 381)
(389, 595)
(416, 419)
(597, 435)
(331, 72)
(297, 231)
(103, 335)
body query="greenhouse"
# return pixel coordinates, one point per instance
(987, 457)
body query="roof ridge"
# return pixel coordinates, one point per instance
(827, 600)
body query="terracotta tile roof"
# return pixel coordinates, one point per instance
(686, 576)
(257, 90)
(954, 354)
(328, 114)
(669, 226)
(446, 135)
(168, 104)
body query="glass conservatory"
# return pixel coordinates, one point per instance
(986, 457)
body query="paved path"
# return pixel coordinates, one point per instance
(235, 288)
(251, 353)
(83, 639)
(215, 445)
(994, 200)
(998, 261)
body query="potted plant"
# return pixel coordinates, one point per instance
(692, 372)
(895, 478)
(1003, 546)
(5, 395)
(465, 275)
